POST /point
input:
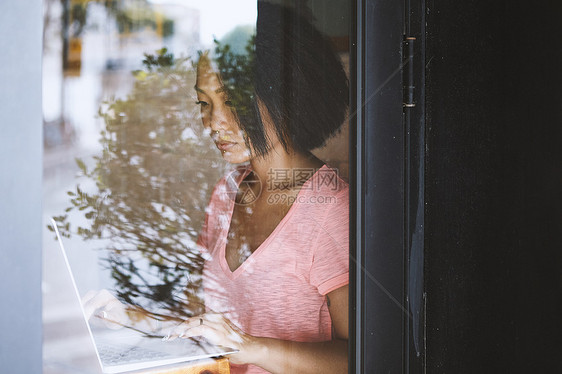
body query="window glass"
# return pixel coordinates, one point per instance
(196, 165)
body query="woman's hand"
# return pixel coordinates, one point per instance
(218, 330)
(105, 306)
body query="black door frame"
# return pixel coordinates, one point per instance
(387, 187)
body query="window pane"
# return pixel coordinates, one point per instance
(196, 164)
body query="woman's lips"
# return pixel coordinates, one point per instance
(225, 146)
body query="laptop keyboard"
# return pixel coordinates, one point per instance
(128, 355)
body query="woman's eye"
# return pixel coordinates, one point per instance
(202, 103)
(228, 103)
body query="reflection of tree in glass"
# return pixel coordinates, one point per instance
(154, 178)
(237, 72)
(237, 76)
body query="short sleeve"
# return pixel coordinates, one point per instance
(219, 203)
(202, 238)
(330, 262)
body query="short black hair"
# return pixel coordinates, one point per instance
(292, 69)
(299, 79)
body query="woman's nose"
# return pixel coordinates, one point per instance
(219, 120)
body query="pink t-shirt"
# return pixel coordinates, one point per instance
(280, 290)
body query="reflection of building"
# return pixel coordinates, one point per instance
(102, 43)
(186, 21)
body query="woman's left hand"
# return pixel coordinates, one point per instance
(218, 330)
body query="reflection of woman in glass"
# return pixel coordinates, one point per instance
(276, 230)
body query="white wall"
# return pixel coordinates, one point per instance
(20, 185)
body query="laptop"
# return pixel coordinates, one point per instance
(126, 349)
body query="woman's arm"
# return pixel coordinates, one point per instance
(274, 355)
(279, 356)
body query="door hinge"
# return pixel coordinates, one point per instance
(409, 86)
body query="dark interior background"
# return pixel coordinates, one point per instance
(493, 183)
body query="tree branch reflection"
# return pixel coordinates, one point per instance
(153, 180)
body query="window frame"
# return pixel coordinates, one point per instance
(387, 191)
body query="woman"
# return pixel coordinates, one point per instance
(276, 277)
(275, 236)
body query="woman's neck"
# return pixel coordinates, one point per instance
(279, 160)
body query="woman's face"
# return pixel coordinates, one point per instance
(218, 114)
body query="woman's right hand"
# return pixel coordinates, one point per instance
(102, 304)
